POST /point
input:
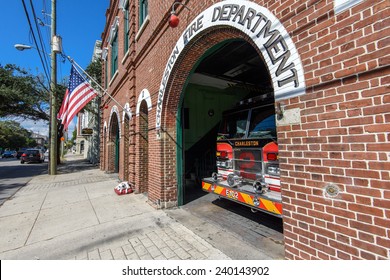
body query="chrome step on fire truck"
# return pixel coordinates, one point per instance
(247, 158)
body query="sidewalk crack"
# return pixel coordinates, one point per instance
(36, 218)
(89, 199)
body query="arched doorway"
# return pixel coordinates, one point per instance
(228, 73)
(114, 144)
(143, 146)
(215, 27)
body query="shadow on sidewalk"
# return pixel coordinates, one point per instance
(75, 165)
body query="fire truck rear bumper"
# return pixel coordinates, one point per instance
(269, 202)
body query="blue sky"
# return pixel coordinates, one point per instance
(79, 23)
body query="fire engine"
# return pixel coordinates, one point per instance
(247, 158)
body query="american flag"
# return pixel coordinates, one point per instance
(78, 94)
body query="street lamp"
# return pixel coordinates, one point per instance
(21, 47)
(55, 48)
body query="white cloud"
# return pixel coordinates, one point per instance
(42, 127)
(39, 127)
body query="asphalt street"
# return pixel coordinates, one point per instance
(14, 175)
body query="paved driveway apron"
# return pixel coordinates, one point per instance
(77, 215)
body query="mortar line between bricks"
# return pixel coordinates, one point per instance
(36, 218)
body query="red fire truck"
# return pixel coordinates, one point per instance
(247, 158)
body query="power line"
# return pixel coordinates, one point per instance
(39, 34)
(35, 40)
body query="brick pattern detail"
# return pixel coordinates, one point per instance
(142, 156)
(343, 137)
(110, 157)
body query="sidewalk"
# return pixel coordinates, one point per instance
(77, 215)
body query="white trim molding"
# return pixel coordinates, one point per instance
(144, 95)
(342, 5)
(126, 111)
(114, 30)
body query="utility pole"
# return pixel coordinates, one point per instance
(53, 94)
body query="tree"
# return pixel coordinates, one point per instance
(94, 69)
(74, 135)
(13, 136)
(24, 95)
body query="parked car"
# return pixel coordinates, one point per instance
(20, 153)
(9, 154)
(32, 155)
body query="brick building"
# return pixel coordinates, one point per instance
(326, 63)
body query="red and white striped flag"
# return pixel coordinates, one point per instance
(78, 94)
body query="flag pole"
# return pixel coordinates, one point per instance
(93, 80)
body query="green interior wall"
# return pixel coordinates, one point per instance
(199, 100)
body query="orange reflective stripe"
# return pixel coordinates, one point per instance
(264, 204)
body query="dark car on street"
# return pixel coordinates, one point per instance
(32, 155)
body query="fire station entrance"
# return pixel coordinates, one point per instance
(232, 54)
(229, 73)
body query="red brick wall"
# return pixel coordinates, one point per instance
(343, 138)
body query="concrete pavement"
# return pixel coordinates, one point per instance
(77, 215)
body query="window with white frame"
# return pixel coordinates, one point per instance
(114, 54)
(113, 40)
(126, 26)
(143, 11)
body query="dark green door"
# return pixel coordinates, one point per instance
(117, 152)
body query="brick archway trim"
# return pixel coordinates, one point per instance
(265, 31)
(115, 110)
(144, 95)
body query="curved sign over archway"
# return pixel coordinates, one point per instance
(266, 31)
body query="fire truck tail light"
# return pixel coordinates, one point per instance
(222, 154)
(272, 156)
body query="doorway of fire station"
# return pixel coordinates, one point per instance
(230, 73)
(114, 144)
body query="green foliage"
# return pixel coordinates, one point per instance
(25, 96)
(74, 135)
(94, 69)
(13, 136)
(68, 145)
